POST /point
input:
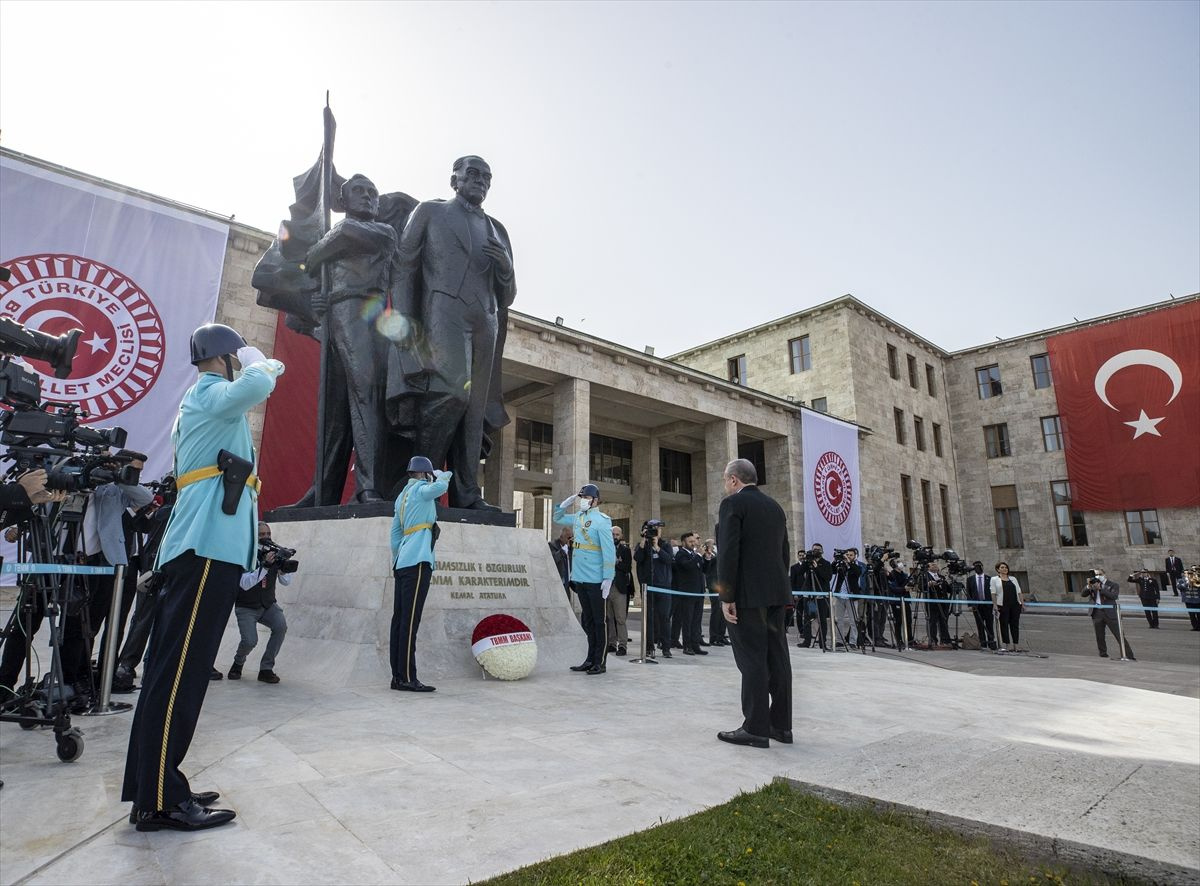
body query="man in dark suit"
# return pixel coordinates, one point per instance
(690, 569)
(752, 580)
(454, 277)
(979, 589)
(1174, 571)
(1104, 593)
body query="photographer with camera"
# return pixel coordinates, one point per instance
(655, 567)
(846, 581)
(208, 544)
(108, 539)
(1104, 593)
(934, 587)
(19, 497)
(898, 583)
(616, 607)
(812, 573)
(256, 604)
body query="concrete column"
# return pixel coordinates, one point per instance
(785, 481)
(498, 472)
(700, 521)
(572, 427)
(537, 505)
(647, 484)
(720, 448)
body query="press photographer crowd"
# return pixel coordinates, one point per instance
(183, 553)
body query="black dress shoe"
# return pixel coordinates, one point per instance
(204, 798)
(187, 816)
(620, 650)
(268, 677)
(699, 651)
(214, 674)
(481, 505)
(598, 669)
(804, 645)
(611, 648)
(412, 686)
(742, 737)
(586, 666)
(1104, 655)
(783, 736)
(675, 644)
(688, 652)
(702, 643)
(666, 653)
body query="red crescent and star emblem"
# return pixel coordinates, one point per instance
(122, 347)
(833, 488)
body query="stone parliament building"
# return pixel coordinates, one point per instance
(958, 449)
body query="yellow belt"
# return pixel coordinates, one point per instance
(586, 547)
(418, 528)
(213, 471)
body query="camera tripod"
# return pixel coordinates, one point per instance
(46, 592)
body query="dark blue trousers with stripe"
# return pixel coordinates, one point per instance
(412, 587)
(192, 613)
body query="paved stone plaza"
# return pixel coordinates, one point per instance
(365, 785)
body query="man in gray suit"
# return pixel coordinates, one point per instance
(1104, 593)
(454, 280)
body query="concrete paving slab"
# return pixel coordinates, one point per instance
(362, 784)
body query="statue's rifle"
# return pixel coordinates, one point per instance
(326, 284)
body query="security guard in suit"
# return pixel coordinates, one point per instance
(593, 564)
(209, 542)
(414, 531)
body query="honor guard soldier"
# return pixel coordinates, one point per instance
(593, 563)
(210, 540)
(414, 531)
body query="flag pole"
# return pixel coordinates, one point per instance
(326, 222)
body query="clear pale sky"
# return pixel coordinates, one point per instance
(672, 172)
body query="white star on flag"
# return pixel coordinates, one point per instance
(1144, 425)
(96, 343)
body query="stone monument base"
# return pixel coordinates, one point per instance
(339, 604)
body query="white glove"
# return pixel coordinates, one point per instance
(566, 502)
(437, 475)
(605, 586)
(250, 354)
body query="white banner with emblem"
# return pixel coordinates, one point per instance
(135, 275)
(832, 493)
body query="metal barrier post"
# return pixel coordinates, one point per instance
(644, 659)
(1120, 630)
(113, 628)
(904, 622)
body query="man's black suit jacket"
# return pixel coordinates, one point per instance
(753, 550)
(973, 591)
(690, 569)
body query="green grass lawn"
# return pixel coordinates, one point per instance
(777, 835)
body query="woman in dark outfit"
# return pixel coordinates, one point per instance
(1009, 603)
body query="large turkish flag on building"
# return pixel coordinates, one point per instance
(1129, 399)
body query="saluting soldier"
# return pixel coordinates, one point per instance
(414, 529)
(209, 542)
(593, 563)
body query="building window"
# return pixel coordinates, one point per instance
(919, 432)
(612, 460)
(800, 354)
(927, 509)
(1041, 370)
(820, 404)
(944, 495)
(675, 471)
(755, 452)
(736, 367)
(937, 439)
(912, 371)
(1008, 517)
(1071, 529)
(995, 440)
(906, 498)
(893, 362)
(1052, 437)
(898, 415)
(930, 380)
(535, 446)
(1143, 527)
(988, 380)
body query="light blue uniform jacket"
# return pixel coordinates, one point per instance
(416, 505)
(212, 417)
(593, 556)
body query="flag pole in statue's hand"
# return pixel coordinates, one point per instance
(326, 222)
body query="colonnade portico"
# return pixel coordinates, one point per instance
(569, 385)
